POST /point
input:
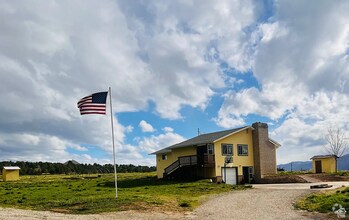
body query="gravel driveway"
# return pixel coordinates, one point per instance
(265, 201)
(254, 204)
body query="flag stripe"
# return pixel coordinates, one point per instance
(81, 102)
(85, 98)
(92, 106)
(92, 110)
(86, 113)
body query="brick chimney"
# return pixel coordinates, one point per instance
(264, 152)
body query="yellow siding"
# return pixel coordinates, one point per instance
(242, 137)
(10, 175)
(328, 165)
(172, 157)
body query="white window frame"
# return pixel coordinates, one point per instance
(225, 148)
(242, 147)
(210, 149)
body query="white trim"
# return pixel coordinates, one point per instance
(163, 151)
(233, 133)
(275, 143)
(12, 168)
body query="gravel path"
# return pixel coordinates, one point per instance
(19, 214)
(255, 204)
(309, 179)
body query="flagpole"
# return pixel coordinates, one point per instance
(112, 134)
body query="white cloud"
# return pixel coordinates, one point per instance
(54, 54)
(272, 31)
(145, 126)
(36, 147)
(273, 101)
(300, 141)
(303, 132)
(313, 48)
(154, 143)
(167, 129)
(168, 54)
(301, 64)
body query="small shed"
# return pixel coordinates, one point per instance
(10, 173)
(324, 163)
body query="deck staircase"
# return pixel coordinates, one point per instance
(181, 162)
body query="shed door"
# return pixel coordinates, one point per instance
(318, 166)
(229, 175)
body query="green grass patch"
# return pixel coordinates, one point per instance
(323, 201)
(85, 194)
(342, 173)
(283, 173)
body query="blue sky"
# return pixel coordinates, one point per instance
(174, 67)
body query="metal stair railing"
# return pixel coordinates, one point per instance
(182, 161)
(172, 167)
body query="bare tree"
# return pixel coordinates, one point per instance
(336, 143)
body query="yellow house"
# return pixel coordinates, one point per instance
(324, 164)
(233, 156)
(10, 173)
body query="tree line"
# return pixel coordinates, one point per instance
(72, 167)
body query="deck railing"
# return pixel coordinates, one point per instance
(182, 161)
(205, 160)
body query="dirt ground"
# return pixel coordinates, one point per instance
(282, 179)
(329, 177)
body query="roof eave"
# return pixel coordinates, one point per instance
(323, 157)
(275, 143)
(163, 151)
(11, 168)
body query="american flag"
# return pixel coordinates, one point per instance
(93, 104)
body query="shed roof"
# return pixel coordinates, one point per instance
(322, 156)
(12, 168)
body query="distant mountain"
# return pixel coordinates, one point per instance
(72, 161)
(343, 164)
(296, 166)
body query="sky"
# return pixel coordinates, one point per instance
(174, 67)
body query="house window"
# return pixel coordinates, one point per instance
(210, 149)
(227, 149)
(242, 150)
(164, 157)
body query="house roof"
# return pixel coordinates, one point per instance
(322, 156)
(12, 168)
(274, 142)
(203, 139)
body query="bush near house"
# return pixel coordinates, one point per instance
(96, 193)
(324, 201)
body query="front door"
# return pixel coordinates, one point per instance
(318, 166)
(246, 173)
